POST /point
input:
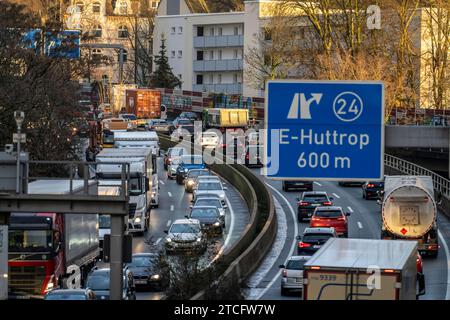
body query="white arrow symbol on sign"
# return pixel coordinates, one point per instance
(305, 105)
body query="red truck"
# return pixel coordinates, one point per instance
(48, 250)
(144, 103)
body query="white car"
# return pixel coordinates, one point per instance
(292, 274)
(185, 235)
(213, 186)
(209, 139)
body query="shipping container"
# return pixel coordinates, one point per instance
(144, 103)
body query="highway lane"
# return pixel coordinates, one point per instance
(174, 204)
(364, 222)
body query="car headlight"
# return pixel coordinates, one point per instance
(155, 277)
(191, 182)
(137, 220)
(199, 239)
(186, 170)
(217, 224)
(168, 240)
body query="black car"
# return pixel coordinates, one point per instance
(313, 239)
(350, 183)
(209, 218)
(371, 190)
(70, 294)
(310, 201)
(98, 281)
(147, 271)
(253, 156)
(297, 185)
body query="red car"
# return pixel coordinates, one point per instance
(332, 216)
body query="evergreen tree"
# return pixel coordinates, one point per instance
(163, 76)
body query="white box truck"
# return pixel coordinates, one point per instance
(363, 269)
(409, 212)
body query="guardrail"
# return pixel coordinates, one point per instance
(245, 255)
(440, 184)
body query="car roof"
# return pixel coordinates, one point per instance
(329, 208)
(295, 258)
(318, 230)
(314, 193)
(210, 177)
(186, 221)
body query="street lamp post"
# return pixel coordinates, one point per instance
(19, 116)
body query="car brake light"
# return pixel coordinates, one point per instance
(304, 245)
(370, 185)
(247, 156)
(327, 203)
(284, 273)
(341, 219)
(303, 204)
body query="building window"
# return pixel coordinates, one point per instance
(211, 32)
(211, 78)
(172, 55)
(180, 30)
(123, 32)
(96, 54)
(97, 31)
(236, 31)
(235, 54)
(219, 80)
(199, 79)
(154, 4)
(267, 34)
(211, 55)
(220, 31)
(199, 55)
(123, 7)
(172, 30)
(180, 54)
(235, 78)
(96, 7)
(200, 31)
(125, 56)
(80, 5)
(220, 54)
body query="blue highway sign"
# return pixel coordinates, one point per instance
(324, 130)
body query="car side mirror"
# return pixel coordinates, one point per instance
(186, 216)
(331, 198)
(348, 214)
(379, 202)
(225, 206)
(191, 206)
(225, 188)
(298, 199)
(282, 266)
(166, 231)
(298, 238)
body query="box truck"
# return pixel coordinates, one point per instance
(225, 118)
(144, 103)
(363, 269)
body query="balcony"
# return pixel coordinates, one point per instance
(230, 88)
(218, 65)
(219, 41)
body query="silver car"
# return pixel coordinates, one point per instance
(185, 235)
(292, 274)
(210, 187)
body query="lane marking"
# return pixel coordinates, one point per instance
(162, 182)
(334, 194)
(360, 225)
(317, 184)
(294, 241)
(350, 209)
(172, 207)
(168, 223)
(158, 241)
(447, 253)
(170, 194)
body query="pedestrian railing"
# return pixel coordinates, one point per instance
(440, 183)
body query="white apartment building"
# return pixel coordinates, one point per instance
(205, 50)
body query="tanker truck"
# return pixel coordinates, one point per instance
(409, 212)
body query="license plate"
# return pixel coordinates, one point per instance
(317, 246)
(316, 204)
(140, 281)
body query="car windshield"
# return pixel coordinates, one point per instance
(192, 159)
(208, 203)
(315, 198)
(185, 228)
(197, 173)
(328, 214)
(203, 213)
(295, 264)
(185, 122)
(98, 282)
(70, 296)
(104, 222)
(314, 237)
(209, 186)
(30, 240)
(142, 261)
